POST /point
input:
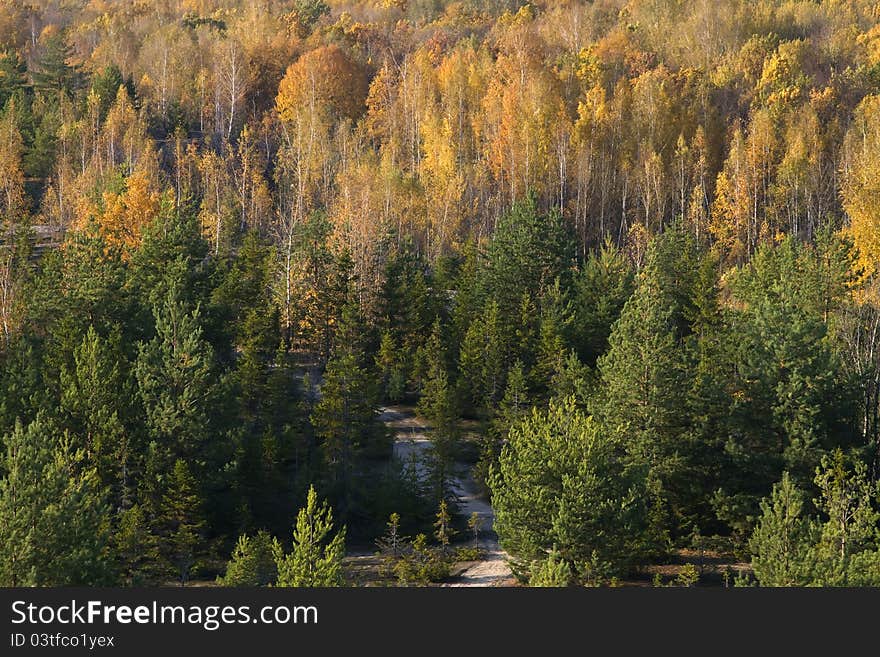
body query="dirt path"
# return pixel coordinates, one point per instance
(411, 441)
(493, 569)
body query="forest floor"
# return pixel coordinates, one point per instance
(411, 440)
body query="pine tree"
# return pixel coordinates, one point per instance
(183, 521)
(574, 379)
(54, 74)
(839, 547)
(551, 572)
(106, 84)
(552, 344)
(391, 367)
(177, 382)
(514, 406)
(252, 562)
(24, 389)
(481, 360)
(558, 482)
(464, 275)
(644, 377)
(527, 331)
(13, 76)
(136, 547)
(53, 512)
(171, 260)
(648, 370)
(85, 287)
(94, 399)
(783, 537)
(437, 402)
(437, 405)
(791, 403)
(391, 543)
(599, 292)
(847, 499)
(244, 293)
(306, 13)
(443, 527)
(407, 304)
(316, 557)
(40, 158)
(345, 424)
(475, 524)
(528, 252)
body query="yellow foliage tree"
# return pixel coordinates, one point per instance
(12, 199)
(860, 181)
(122, 216)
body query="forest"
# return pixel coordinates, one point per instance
(621, 256)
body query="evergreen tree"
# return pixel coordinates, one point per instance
(574, 379)
(407, 305)
(558, 482)
(244, 297)
(306, 13)
(353, 334)
(528, 252)
(137, 549)
(791, 404)
(391, 544)
(783, 537)
(105, 86)
(94, 399)
(847, 500)
(600, 290)
(464, 277)
(443, 527)
(475, 524)
(40, 157)
(552, 343)
(345, 424)
(54, 74)
(391, 366)
(53, 512)
(24, 389)
(339, 309)
(551, 572)
(482, 359)
(437, 405)
(171, 260)
(644, 377)
(838, 548)
(13, 78)
(437, 402)
(177, 383)
(316, 557)
(252, 562)
(514, 406)
(527, 332)
(709, 401)
(649, 388)
(86, 286)
(182, 521)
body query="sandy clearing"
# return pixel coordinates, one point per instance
(410, 442)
